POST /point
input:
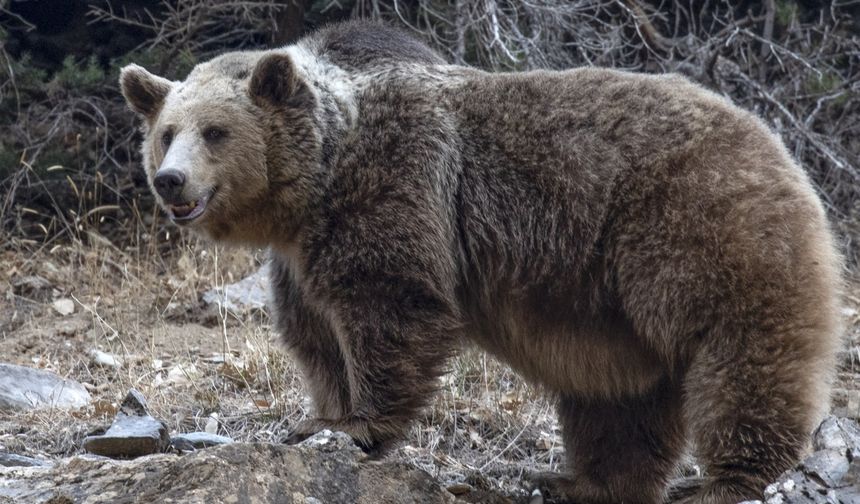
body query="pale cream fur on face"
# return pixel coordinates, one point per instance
(233, 166)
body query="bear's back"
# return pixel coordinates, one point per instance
(364, 44)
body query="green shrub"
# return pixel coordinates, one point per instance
(79, 77)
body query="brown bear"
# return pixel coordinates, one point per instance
(644, 250)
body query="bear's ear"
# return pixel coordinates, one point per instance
(143, 91)
(275, 81)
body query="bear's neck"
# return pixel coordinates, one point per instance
(334, 87)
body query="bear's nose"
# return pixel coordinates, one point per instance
(168, 183)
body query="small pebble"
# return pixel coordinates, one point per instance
(64, 306)
(771, 489)
(212, 424)
(105, 359)
(459, 488)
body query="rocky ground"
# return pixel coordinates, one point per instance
(327, 468)
(156, 378)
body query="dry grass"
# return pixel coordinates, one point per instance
(194, 363)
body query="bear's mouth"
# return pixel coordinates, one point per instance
(187, 212)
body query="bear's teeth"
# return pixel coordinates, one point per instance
(185, 208)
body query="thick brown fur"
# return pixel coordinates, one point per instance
(644, 250)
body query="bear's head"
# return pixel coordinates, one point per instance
(233, 151)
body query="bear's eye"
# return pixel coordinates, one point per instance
(166, 138)
(214, 134)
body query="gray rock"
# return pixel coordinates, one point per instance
(329, 441)
(99, 358)
(830, 475)
(24, 388)
(134, 432)
(250, 293)
(851, 496)
(826, 466)
(129, 437)
(15, 460)
(232, 473)
(134, 404)
(839, 434)
(852, 475)
(197, 440)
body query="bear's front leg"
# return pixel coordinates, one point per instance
(395, 342)
(388, 291)
(311, 341)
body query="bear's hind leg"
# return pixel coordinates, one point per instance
(751, 402)
(619, 450)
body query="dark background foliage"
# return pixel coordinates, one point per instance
(69, 167)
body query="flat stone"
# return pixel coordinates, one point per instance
(197, 440)
(23, 388)
(129, 437)
(15, 460)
